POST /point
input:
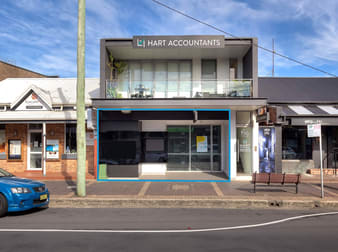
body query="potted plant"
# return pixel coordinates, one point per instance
(116, 68)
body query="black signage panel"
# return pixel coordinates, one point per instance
(302, 121)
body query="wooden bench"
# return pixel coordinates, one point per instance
(275, 178)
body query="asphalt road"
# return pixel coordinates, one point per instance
(310, 234)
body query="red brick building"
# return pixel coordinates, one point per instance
(8, 70)
(38, 127)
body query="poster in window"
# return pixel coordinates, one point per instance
(267, 139)
(202, 143)
(52, 149)
(14, 149)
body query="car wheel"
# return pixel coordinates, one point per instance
(3, 205)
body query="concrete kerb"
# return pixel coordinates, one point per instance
(190, 203)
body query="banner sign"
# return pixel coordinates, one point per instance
(314, 130)
(267, 140)
(178, 42)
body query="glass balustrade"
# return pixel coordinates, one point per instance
(124, 89)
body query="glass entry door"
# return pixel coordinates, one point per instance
(194, 148)
(178, 148)
(200, 148)
(35, 150)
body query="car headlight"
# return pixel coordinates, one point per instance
(20, 190)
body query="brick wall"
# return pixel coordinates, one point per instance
(56, 131)
(16, 132)
(53, 132)
(11, 71)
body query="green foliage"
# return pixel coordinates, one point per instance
(113, 64)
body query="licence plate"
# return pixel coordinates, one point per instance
(43, 196)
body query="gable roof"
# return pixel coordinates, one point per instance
(289, 89)
(39, 92)
(54, 91)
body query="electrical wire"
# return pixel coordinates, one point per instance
(255, 44)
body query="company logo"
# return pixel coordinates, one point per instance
(141, 43)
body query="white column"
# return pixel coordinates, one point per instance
(255, 144)
(233, 143)
(44, 149)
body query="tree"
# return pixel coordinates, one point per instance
(80, 101)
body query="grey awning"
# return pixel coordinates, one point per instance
(309, 110)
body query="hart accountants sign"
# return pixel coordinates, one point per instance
(178, 42)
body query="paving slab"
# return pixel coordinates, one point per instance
(181, 188)
(114, 188)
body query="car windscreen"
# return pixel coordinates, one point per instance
(4, 173)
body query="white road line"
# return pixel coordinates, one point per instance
(171, 231)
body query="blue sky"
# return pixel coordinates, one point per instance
(41, 34)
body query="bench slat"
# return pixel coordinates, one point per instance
(292, 178)
(260, 178)
(276, 178)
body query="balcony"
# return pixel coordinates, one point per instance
(208, 89)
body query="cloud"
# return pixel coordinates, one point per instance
(36, 33)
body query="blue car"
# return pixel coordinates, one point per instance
(19, 194)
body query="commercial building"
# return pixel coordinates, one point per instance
(294, 103)
(171, 108)
(38, 126)
(8, 70)
(175, 106)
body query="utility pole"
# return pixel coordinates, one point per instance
(80, 101)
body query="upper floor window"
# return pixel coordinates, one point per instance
(160, 79)
(209, 71)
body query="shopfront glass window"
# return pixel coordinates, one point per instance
(296, 144)
(70, 138)
(216, 148)
(200, 148)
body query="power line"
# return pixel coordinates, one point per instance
(255, 44)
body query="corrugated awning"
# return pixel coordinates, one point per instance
(309, 110)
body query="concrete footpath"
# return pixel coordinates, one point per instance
(235, 194)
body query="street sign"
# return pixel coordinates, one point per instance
(314, 130)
